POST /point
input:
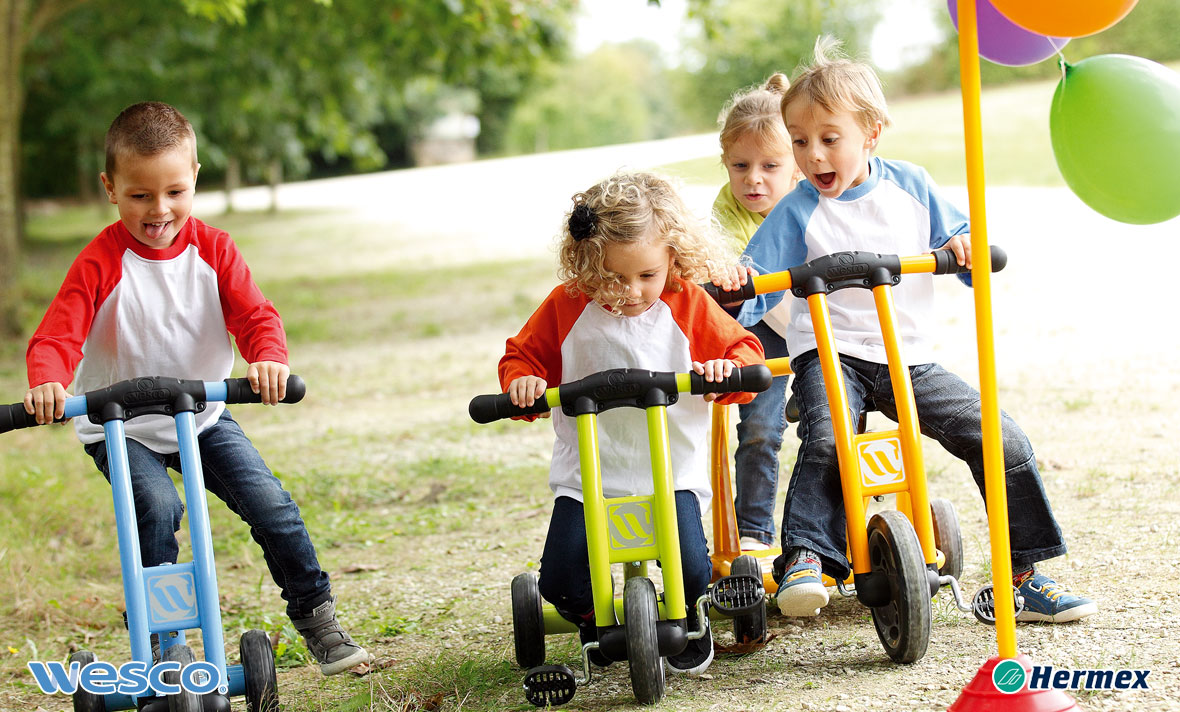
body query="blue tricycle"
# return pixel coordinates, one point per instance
(170, 599)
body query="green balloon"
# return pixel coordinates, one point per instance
(1115, 127)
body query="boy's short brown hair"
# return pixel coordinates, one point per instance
(147, 129)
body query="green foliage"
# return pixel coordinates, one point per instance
(745, 41)
(617, 94)
(276, 83)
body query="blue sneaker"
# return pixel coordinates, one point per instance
(1047, 601)
(801, 592)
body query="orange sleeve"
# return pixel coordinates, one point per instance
(713, 334)
(536, 350)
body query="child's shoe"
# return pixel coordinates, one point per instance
(749, 543)
(1047, 601)
(801, 592)
(696, 657)
(328, 642)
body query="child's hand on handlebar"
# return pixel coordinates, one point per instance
(714, 370)
(524, 391)
(269, 380)
(732, 278)
(47, 402)
(961, 246)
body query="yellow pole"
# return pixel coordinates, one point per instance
(981, 270)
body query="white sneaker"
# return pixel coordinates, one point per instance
(749, 543)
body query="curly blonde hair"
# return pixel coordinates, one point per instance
(623, 208)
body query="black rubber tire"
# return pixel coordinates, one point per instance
(86, 701)
(184, 701)
(947, 537)
(258, 667)
(643, 647)
(528, 622)
(749, 628)
(903, 624)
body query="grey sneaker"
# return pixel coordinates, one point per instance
(328, 642)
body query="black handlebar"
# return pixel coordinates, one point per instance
(490, 408)
(237, 390)
(944, 261)
(151, 395)
(620, 387)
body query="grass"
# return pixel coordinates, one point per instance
(421, 516)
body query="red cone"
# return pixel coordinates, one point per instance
(982, 695)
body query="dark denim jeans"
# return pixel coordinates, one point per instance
(235, 472)
(760, 437)
(565, 563)
(949, 412)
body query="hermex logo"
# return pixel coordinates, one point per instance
(629, 525)
(880, 461)
(1009, 676)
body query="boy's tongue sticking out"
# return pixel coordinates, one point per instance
(155, 230)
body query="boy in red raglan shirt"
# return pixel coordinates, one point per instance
(158, 293)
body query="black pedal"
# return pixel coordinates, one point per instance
(550, 685)
(983, 604)
(735, 595)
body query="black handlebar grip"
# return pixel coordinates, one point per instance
(14, 416)
(489, 408)
(747, 379)
(944, 261)
(237, 390)
(729, 299)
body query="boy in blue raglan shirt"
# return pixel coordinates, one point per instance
(835, 111)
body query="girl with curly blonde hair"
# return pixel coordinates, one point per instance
(631, 255)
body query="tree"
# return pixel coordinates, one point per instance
(745, 41)
(24, 21)
(265, 82)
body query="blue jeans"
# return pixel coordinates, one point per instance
(949, 412)
(760, 437)
(565, 563)
(235, 472)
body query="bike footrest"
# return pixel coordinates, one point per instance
(550, 685)
(983, 604)
(737, 594)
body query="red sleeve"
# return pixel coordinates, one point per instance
(56, 346)
(249, 316)
(536, 350)
(713, 334)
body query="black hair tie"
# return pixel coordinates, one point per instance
(583, 221)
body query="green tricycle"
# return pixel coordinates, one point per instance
(642, 627)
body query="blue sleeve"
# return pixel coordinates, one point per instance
(778, 245)
(946, 220)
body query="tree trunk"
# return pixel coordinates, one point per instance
(11, 97)
(233, 181)
(274, 176)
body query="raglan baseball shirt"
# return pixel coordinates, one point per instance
(571, 336)
(896, 210)
(126, 310)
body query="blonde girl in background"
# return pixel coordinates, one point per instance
(756, 152)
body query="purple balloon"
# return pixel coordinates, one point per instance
(1003, 41)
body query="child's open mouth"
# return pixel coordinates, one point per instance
(825, 180)
(754, 197)
(155, 230)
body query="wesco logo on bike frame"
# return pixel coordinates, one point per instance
(134, 679)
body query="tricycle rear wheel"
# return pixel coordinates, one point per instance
(749, 628)
(528, 622)
(86, 701)
(258, 667)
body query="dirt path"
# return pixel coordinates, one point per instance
(1086, 344)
